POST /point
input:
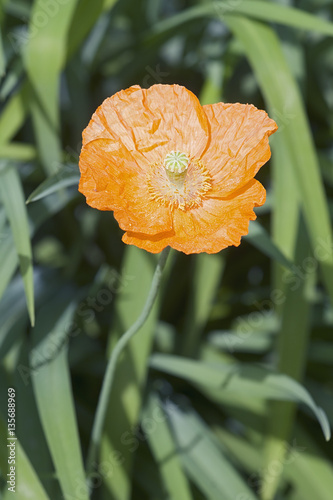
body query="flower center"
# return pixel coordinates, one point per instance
(179, 182)
(176, 165)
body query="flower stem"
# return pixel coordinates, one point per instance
(112, 363)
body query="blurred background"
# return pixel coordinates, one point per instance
(226, 392)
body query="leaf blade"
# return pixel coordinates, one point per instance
(164, 450)
(66, 177)
(53, 393)
(241, 379)
(203, 459)
(13, 199)
(259, 238)
(44, 59)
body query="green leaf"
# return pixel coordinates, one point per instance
(246, 455)
(203, 459)
(265, 11)
(38, 213)
(2, 57)
(82, 22)
(44, 209)
(108, 4)
(13, 314)
(66, 177)
(28, 423)
(18, 151)
(14, 113)
(13, 199)
(259, 238)
(45, 56)
(292, 348)
(276, 13)
(247, 381)
(12, 80)
(53, 393)
(8, 258)
(17, 9)
(164, 449)
(294, 309)
(229, 341)
(147, 477)
(326, 167)
(286, 205)
(310, 473)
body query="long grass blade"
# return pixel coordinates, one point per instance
(66, 177)
(291, 346)
(204, 461)
(260, 239)
(291, 351)
(164, 449)
(82, 22)
(13, 199)
(14, 113)
(8, 258)
(2, 57)
(45, 56)
(265, 11)
(53, 393)
(18, 152)
(251, 381)
(311, 473)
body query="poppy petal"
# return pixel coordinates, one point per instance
(152, 122)
(218, 224)
(152, 243)
(112, 180)
(239, 144)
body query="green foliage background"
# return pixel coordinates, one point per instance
(226, 392)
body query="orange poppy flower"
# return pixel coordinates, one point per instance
(175, 173)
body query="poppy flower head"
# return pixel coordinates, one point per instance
(175, 173)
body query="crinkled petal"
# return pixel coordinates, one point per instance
(152, 243)
(152, 122)
(217, 224)
(238, 146)
(112, 180)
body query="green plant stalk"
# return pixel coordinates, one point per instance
(110, 370)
